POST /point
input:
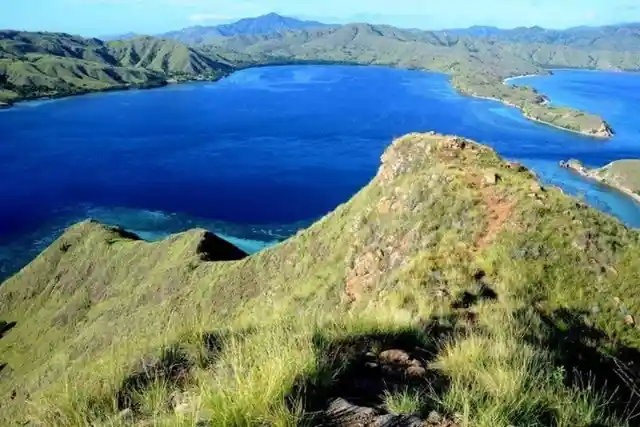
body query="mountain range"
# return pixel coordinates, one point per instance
(265, 24)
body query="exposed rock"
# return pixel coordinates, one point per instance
(491, 178)
(629, 320)
(394, 356)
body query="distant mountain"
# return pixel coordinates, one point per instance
(125, 36)
(55, 64)
(271, 23)
(622, 37)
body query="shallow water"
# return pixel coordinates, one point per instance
(267, 151)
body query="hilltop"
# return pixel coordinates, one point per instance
(265, 24)
(34, 65)
(453, 289)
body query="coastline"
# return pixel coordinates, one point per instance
(529, 117)
(591, 174)
(123, 88)
(509, 79)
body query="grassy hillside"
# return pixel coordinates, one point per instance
(623, 37)
(478, 67)
(453, 288)
(625, 172)
(33, 65)
(623, 175)
(166, 56)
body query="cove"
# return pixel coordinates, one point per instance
(265, 152)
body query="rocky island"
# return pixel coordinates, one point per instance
(623, 175)
(453, 286)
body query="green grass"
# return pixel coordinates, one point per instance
(105, 323)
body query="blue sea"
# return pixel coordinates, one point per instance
(265, 152)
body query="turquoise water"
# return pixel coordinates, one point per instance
(267, 151)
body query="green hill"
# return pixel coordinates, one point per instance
(624, 172)
(623, 175)
(453, 288)
(50, 64)
(166, 56)
(622, 37)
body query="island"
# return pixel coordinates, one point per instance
(533, 105)
(623, 175)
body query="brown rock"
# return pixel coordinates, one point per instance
(394, 356)
(416, 371)
(491, 178)
(536, 187)
(629, 320)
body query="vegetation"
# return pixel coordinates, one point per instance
(34, 65)
(623, 175)
(478, 67)
(48, 64)
(453, 288)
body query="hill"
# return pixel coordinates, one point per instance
(478, 67)
(166, 56)
(453, 288)
(623, 37)
(265, 24)
(36, 65)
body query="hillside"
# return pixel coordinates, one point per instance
(265, 24)
(166, 56)
(453, 288)
(36, 65)
(623, 37)
(478, 67)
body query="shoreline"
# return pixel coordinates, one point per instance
(533, 119)
(522, 76)
(125, 88)
(591, 175)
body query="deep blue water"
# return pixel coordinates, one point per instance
(266, 151)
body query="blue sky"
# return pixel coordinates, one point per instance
(103, 17)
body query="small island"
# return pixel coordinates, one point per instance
(534, 106)
(623, 175)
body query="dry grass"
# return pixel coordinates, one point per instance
(105, 324)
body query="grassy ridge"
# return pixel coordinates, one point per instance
(36, 65)
(503, 303)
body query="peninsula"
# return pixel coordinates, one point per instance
(623, 175)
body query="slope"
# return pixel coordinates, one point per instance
(166, 56)
(453, 287)
(265, 24)
(622, 37)
(34, 65)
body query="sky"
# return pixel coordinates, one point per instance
(108, 17)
